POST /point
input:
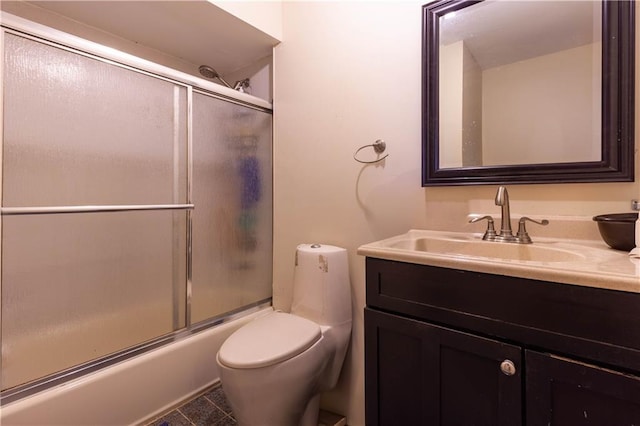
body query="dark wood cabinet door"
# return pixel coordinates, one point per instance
(563, 392)
(421, 374)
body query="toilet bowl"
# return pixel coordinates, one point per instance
(274, 368)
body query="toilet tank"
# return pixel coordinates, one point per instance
(321, 287)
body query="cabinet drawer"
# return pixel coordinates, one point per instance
(590, 323)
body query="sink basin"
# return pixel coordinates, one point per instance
(485, 249)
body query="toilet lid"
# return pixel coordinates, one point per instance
(268, 340)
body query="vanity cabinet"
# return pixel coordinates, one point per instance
(453, 347)
(563, 391)
(431, 375)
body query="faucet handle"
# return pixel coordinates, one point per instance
(522, 236)
(490, 233)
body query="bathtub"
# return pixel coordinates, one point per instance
(134, 391)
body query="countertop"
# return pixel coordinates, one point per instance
(595, 264)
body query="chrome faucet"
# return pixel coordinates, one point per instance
(506, 233)
(502, 199)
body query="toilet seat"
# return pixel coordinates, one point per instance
(269, 340)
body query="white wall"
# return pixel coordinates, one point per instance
(346, 74)
(471, 111)
(539, 131)
(451, 103)
(460, 107)
(263, 15)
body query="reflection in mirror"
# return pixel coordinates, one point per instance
(500, 64)
(515, 92)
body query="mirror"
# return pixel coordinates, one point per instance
(528, 92)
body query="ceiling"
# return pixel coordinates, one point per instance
(501, 32)
(195, 31)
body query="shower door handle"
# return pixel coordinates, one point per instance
(11, 211)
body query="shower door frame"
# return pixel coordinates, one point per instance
(27, 29)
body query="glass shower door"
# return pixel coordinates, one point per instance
(79, 131)
(232, 222)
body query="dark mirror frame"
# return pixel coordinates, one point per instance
(618, 90)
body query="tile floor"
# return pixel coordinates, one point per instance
(209, 409)
(212, 409)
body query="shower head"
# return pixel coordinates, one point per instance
(210, 73)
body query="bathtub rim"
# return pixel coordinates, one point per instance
(77, 372)
(141, 388)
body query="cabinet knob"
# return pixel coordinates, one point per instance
(508, 367)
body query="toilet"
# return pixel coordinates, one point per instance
(274, 368)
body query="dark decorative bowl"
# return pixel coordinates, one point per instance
(618, 229)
